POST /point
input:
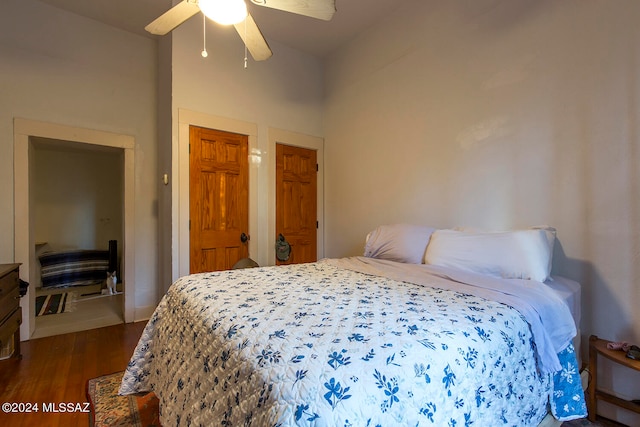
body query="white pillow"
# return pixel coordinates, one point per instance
(549, 232)
(398, 242)
(519, 254)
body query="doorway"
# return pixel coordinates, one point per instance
(181, 182)
(309, 145)
(25, 131)
(76, 196)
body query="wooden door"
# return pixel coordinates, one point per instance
(296, 201)
(218, 199)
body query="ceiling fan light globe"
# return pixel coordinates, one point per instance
(224, 12)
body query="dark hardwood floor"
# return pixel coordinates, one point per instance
(55, 370)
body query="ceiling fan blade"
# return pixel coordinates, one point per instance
(253, 39)
(319, 9)
(173, 17)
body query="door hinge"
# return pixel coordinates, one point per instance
(316, 167)
(189, 225)
(317, 224)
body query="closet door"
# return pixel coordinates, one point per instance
(218, 199)
(296, 202)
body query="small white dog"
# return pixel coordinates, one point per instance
(111, 282)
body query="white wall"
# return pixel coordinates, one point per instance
(284, 92)
(498, 114)
(61, 68)
(78, 195)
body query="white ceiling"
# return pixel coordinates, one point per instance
(309, 35)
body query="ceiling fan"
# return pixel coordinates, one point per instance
(234, 12)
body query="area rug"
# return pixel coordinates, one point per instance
(109, 409)
(601, 422)
(582, 422)
(55, 303)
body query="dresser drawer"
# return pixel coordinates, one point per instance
(9, 326)
(9, 293)
(8, 282)
(8, 302)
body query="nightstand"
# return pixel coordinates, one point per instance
(598, 347)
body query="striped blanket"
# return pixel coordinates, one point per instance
(74, 268)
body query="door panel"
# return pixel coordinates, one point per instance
(218, 200)
(296, 201)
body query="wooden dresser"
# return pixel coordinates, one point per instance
(10, 311)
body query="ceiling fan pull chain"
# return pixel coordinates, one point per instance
(204, 37)
(245, 43)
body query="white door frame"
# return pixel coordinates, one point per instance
(180, 188)
(24, 242)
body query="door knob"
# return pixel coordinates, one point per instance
(244, 238)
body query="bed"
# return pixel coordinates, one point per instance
(364, 341)
(74, 268)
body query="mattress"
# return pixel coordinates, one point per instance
(354, 342)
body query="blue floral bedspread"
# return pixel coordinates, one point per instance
(318, 345)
